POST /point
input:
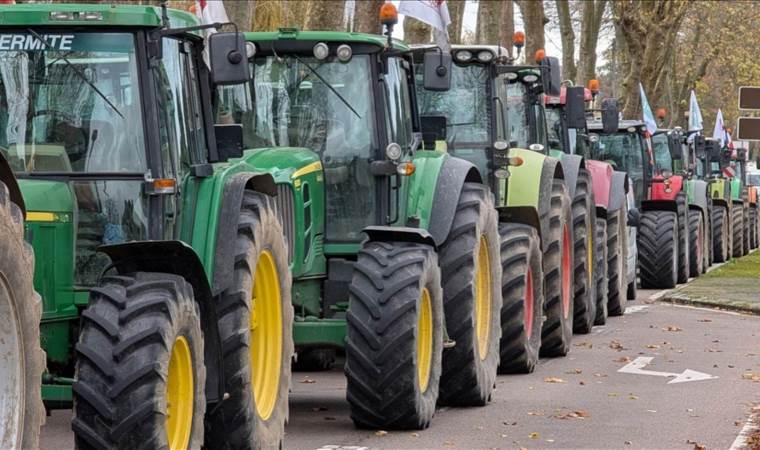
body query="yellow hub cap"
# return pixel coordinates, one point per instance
(266, 335)
(483, 298)
(424, 340)
(179, 395)
(590, 256)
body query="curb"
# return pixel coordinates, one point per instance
(728, 305)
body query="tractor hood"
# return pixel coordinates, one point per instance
(47, 196)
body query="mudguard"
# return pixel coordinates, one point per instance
(666, 190)
(7, 177)
(399, 234)
(720, 189)
(524, 188)
(601, 180)
(619, 185)
(752, 195)
(435, 208)
(526, 215)
(178, 258)
(571, 165)
(696, 193)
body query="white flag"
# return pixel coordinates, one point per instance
(719, 132)
(647, 111)
(211, 11)
(695, 115)
(434, 13)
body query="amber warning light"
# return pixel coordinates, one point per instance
(388, 14)
(518, 39)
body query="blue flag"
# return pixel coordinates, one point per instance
(647, 110)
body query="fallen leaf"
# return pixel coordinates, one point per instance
(582, 383)
(699, 447)
(628, 443)
(652, 410)
(534, 435)
(415, 435)
(380, 433)
(653, 346)
(632, 397)
(448, 444)
(600, 375)
(535, 413)
(737, 423)
(550, 440)
(672, 328)
(623, 359)
(584, 344)
(574, 371)
(554, 380)
(750, 376)
(612, 394)
(704, 320)
(615, 345)
(307, 380)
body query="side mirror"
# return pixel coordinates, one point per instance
(551, 76)
(575, 107)
(700, 147)
(610, 116)
(436, 74)
(228, 58)
(433, 129)
(229, 141)
(674, 145)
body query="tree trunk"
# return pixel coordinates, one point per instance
(488, 27)
(366, 19)
(267, 15)
(295, 13)
(416, 32)
(507, 25)
(534, 19)
(326, 15)
(241, 13)
(456, 11)
(593, 12)
(568, 39)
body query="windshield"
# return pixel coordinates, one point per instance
(625, 153)
(753, 179)
(662, 159)
(465, 105)
(73, 106)
(517, 115)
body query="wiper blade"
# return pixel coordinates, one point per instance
(78, 72)
(345, 102)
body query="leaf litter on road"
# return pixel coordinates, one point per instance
(554, 380)
(672, 328)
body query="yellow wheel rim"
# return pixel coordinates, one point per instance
(590, 256)
(483, 298)
(424, 340)
(179, 395)
(266, 335)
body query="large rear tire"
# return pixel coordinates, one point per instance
(584, 227)
(753, 227)
(720, 235)
(140, 366)
(745, 219)
(255, 320)
(557, 332)
(658, 250)
(471, 270)
(395, 336)
(617, 261)
(684, 238)
(737, 230)
(20, 309)
(522, 289)
(601, 267)
(696, 243)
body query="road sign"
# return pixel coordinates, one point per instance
(749, 98)
(748, 128)
(636, 367)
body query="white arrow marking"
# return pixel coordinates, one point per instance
(637, 367)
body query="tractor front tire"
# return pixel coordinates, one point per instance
(684, 238)
(720, 234)
(20, 311)
(140, 367)
(395, 336)
(471, 270)
(658, 249)
(584, 224)
(557, 332)
(602, 281)
(737, 230)
(617, 261)
(255, 322)
(522, 289)
(696, 243)
(745, 219)
(752, 227)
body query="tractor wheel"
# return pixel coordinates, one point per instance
(255, 321)
(632, 291)
(737, 230)
(522, 289)
(584, 224)
(20, 309)
(395, 336)
(314, 360)
(752, 227)
(658, 250)
(558, 265)
(720, 235)
(140, 365)
(617, 261)
(684, 239)
(471, 270)
(745, 219)
(601, 267)
(696, 243)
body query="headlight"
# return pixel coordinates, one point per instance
(485, 56)
(511, 76)
(464, 55)
(321, 50)
(530, 78)
(250, 50)
(393, 151)
(344, 53)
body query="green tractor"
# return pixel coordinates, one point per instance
(712, 160)
(161, 259)
(20, 310)
(394, 250)
(740, 200)
(753, 183)
(475, 120)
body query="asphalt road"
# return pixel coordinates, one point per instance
(581, 401)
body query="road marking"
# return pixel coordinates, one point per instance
(636, 367)
(741, 440)
(635, 308)
(342, 447)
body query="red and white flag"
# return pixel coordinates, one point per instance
(211, 11)
(434, 13)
